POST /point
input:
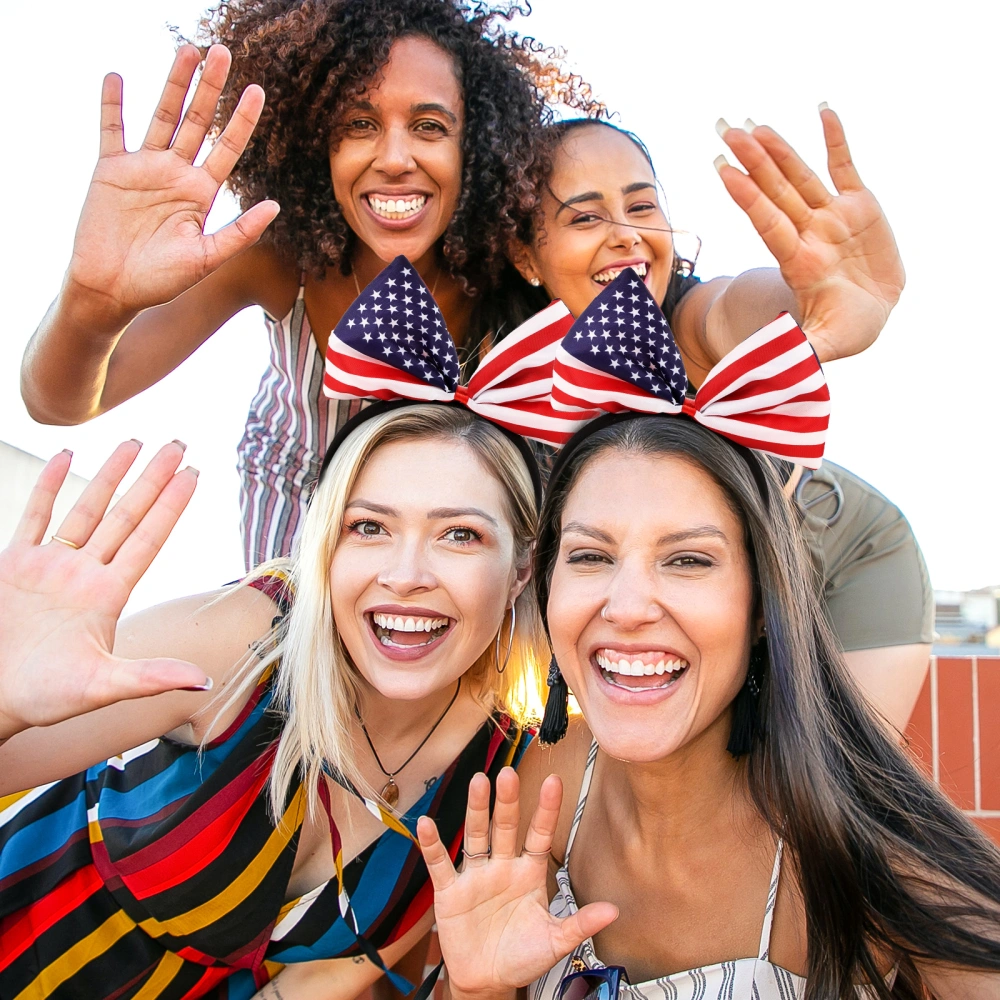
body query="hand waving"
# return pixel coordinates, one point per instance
(140, 239)
(60, 604)
(836, 253)
(493, 920)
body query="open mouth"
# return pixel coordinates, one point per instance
(396, 209)
(407, 632)
(606, 277)
(645, 671)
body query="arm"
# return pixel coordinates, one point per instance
(839, 273)
(140, 244)
(340, 978)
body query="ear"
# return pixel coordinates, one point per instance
(522, 256)
(521, 579)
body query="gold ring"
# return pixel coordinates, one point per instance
(65, 541)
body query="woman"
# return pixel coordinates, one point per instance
(391, 127)
(744, 826)
(840, 275)
(356, 686)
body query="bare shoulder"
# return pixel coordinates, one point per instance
(268, 278)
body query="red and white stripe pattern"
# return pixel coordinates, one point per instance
(769, 393)
(393, 344)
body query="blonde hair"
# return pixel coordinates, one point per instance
(316, 686)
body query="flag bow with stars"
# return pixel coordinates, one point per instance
(768, 393)
(392, 343)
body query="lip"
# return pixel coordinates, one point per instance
(631, 262)
(639, 696)
(406, 610)
(411, 653)
(395, 224)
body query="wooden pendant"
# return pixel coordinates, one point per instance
(390, 792)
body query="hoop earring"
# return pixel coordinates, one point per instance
(604, 613)
(510, 640)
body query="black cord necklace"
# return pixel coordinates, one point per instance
(390, 790)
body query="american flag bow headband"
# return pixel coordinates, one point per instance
(392, 343)
(768, 393)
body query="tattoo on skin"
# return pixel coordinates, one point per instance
(277, 992)
(428, 782)
(358, 959)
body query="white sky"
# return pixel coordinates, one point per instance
(916, 415)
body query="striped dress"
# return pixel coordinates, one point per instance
(160, 874)
(754, 978)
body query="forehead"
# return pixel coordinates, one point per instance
(420, 474)
(418, 71)
(596, 158)
(649, 495)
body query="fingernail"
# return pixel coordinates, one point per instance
(722, 127)
(136, 441)
(191, 468)
(720, 161)
(181, 444)
(749, 124)
(67, 451)
(207, 686)
(824, 107)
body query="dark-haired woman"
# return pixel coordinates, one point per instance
(744, 827)
(391, 127)
(840, 274)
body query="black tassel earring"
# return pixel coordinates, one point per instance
(746, 706)
(556, 719)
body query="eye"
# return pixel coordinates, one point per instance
(431, 127)
(360, 125)
(367, 528)
(585, 219)
(464, 536)
(589, 558)
(690, 561)
(642, 208)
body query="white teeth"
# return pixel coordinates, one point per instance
(398, 624)
(606, 277)
(636, 668)
(397, 208)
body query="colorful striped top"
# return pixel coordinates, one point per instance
(160, 874)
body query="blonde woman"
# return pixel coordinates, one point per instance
(227, 784)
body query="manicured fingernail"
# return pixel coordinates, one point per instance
(207, 686)
(191, 468)
(824, 107)
(67, 451)
(180, 443)
(136, 441)
(722, 127)
(720, 161)
(749, 124)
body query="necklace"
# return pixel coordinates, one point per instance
(390, 790)
(357, 287)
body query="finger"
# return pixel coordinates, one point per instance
(38, 510)
(843, 173)
(765, 173)
(477, 819)
(229, 146)
(506, 815)
(79, 524)
(112, 130)
(239, 234)
(142, 545)
(111, 530)
(811, 189)
(775, 228)
(585, 923)
(439, 866)
(163, 124)
(123, 679)
(201, 111)
(541, 830)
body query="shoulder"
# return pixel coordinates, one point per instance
(262, 276)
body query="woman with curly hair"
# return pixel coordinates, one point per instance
(391, 127)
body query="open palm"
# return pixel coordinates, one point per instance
(140, 240)
(836, 252)
(493, 921)
(61, 601)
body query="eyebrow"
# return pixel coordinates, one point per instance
(438, 513)
(416, 109)
(375, 508)
(702, 531)
(597, 196)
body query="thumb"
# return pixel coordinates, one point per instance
(129, 679)
(241, 233)
(585, 923)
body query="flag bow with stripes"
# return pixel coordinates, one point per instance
(392, 343)
(768, 393)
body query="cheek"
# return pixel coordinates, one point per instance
(573, 603)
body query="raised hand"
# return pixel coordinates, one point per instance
(140, 239)
(60, 600)
(836, 252)
(493, 919)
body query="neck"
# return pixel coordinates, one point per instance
(367, 264)
(392, 719)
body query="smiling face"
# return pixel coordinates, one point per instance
(601, 214)
(421, 576)
(396, 163)
(661, 553)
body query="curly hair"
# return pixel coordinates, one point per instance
(313, 57)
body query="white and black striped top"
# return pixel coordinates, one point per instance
(739, 979)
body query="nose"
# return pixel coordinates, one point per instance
(405, 571)
(394, 154)
(622, 236)
(632, 600)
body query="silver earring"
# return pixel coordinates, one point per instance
(510, 641)
(535, 282)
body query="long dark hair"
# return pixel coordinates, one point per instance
(886, 864)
